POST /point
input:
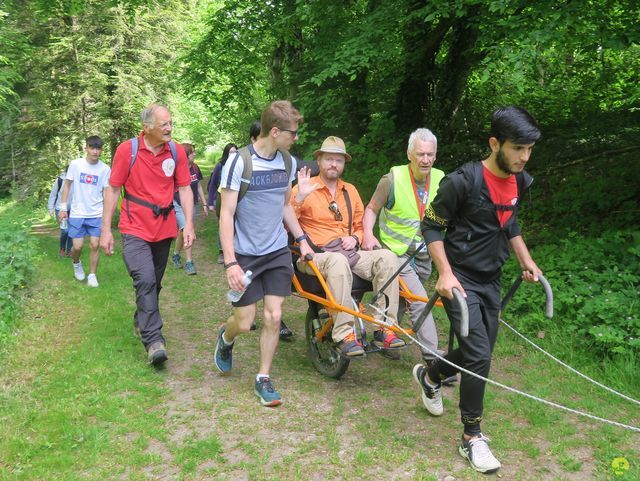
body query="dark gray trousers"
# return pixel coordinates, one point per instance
(474, 351)
(146, 262)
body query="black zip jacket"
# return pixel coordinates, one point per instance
(474, 241)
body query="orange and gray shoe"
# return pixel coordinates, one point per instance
(388, 338)
(350, 346)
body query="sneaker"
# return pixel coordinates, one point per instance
(350, 346)
(285, 332)
(265, 391)
(157, 353)
(477, 452)
(92, 280)
(177, 261)
(431, 395)
(78, 271)
(388, 338)
(220, 258)
(68, 253)
(63, 253)
(223, 355)
(190, 268)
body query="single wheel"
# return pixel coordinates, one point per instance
(323, 354)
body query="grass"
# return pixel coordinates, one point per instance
(77, 400)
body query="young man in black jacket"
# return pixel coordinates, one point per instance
(469, 228)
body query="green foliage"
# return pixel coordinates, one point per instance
(16, 267)
(596, 285)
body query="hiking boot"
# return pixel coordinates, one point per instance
(223, 355)
(157, 353)
(92, 280)
(220, 258)
(265, 391)
(350, 346)
(285, 332)
(177, 261)
(190, 268)
(431, 394)
(78, 271)
(388, 338)
(477, 452)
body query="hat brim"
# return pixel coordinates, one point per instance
(347, 157)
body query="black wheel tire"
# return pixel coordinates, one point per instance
(323, 354)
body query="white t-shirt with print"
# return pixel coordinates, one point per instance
(89, 181)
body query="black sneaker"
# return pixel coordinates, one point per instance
(285, 332)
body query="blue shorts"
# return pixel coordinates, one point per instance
(180, 218)
(81, 226)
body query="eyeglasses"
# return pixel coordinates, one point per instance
(333, 207)
(294, 133)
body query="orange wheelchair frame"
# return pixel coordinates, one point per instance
(319, 323)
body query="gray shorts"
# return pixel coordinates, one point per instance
(180, 218)
(271, 276)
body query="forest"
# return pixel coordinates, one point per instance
(77, 399)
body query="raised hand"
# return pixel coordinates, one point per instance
(305, 186)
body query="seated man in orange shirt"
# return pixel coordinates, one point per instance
(330, 212)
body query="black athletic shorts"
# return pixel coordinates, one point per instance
(271, 276)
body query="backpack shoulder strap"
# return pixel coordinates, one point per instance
(134, 152)
(247, 171)
(288, 162)
(477, 180)
(174, 151)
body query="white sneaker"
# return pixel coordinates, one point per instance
(78, 271)
(431, 394)
(92, 280)
(477, 451)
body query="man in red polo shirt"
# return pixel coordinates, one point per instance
(147, 221)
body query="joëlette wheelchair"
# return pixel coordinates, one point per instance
(319, 319)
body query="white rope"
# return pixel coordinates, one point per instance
(508, 388)
(607, 388)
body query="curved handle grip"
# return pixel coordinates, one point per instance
(549, 294)
(462, 304)
(464, 312)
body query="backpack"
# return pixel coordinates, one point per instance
(247, 171)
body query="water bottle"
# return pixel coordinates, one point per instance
(64, 224)
(234, 296)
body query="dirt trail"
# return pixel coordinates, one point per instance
(371, 424)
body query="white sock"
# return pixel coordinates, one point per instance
(261, 375)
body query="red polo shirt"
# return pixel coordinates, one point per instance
(153, 178)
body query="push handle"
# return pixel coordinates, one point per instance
(457, 298)
(547, 292)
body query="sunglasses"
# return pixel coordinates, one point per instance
(333, 207)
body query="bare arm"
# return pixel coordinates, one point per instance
(186, 201)
(530, 270)
(110, 195)
(229, 199)
(369, 241)
(446, 279)
(203, 198)
(63, 214)
(291, 222)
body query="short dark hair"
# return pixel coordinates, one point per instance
(515, 124)
(254, 130)
(94, 141)
(188, 148)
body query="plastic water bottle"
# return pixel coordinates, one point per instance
(64, 224)
(234, 296)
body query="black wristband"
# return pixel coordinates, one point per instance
(231, 264)
(301, 238)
